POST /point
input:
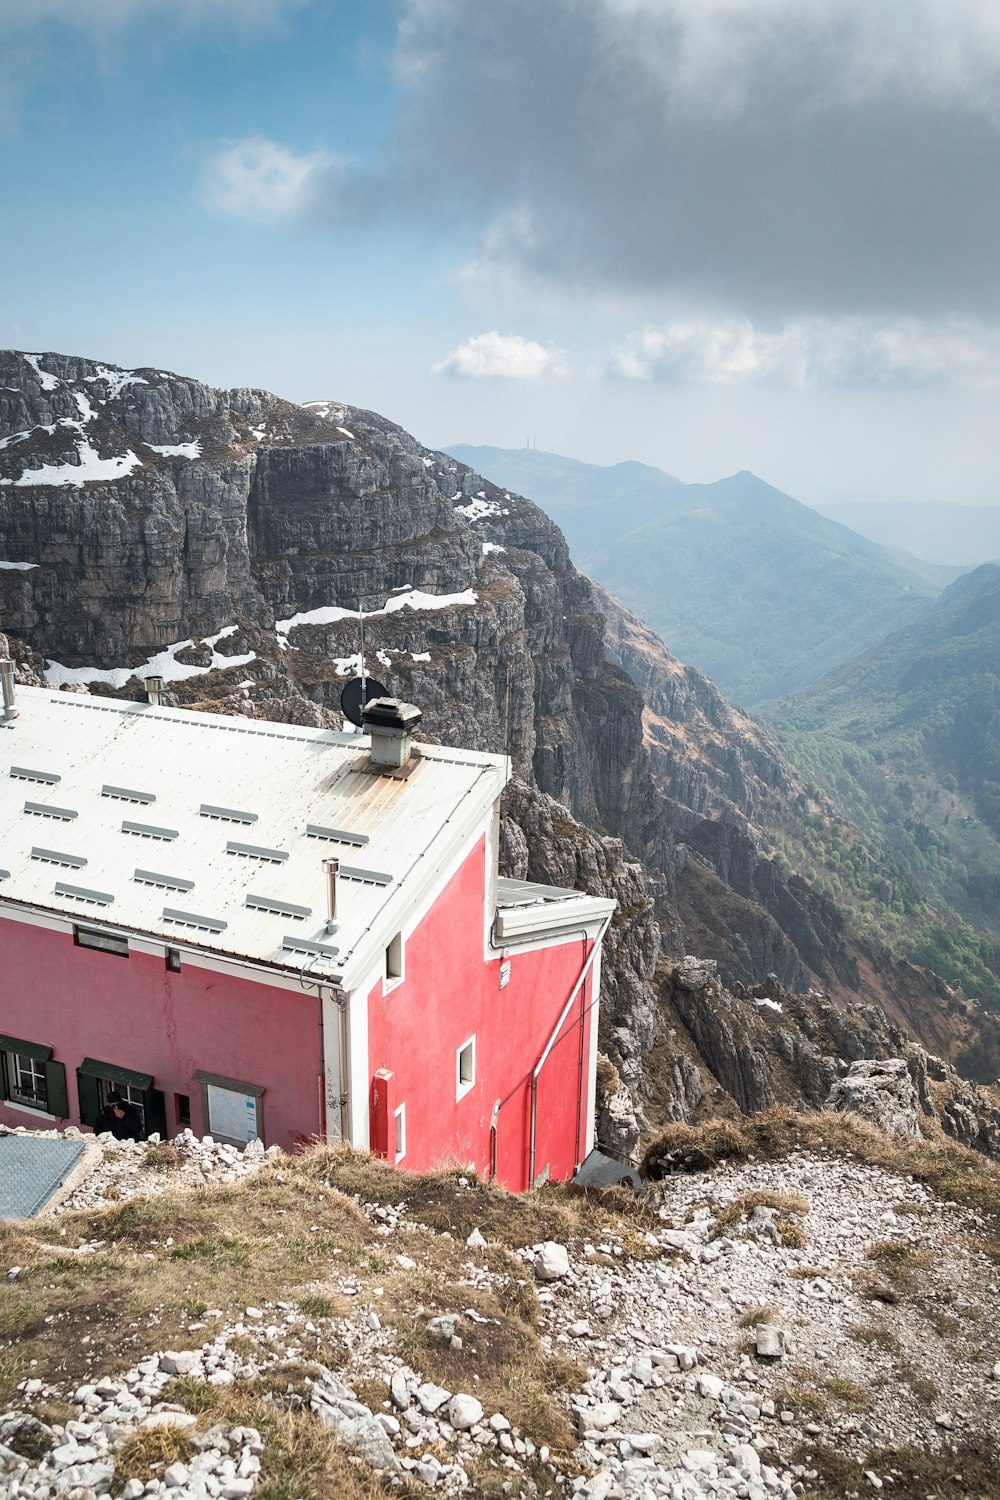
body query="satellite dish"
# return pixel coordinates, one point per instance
(354, 697)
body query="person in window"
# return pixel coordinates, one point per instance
(120, 1118)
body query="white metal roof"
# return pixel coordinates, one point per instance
(211, 831)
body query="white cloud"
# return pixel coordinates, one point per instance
(502, 354)
(854, 351)
(261, 181)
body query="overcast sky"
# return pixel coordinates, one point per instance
(707, 234)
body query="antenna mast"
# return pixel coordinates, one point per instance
(361, 633)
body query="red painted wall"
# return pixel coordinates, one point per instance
(416, 1028)
(135, 1013)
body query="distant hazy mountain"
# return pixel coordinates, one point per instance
(740, 580)
(963, 535)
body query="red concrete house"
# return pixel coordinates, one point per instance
(278, 933)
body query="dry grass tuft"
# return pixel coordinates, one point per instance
(149, 1451)
(754, 1316)
(163, 1156)
(899, 1261)
(846, 1394)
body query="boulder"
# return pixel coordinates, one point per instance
(770, 1341)
(881, 1092)
(464, 1412)
(552, 1262)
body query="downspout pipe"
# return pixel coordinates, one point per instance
(581, 979)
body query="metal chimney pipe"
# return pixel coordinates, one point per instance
(154, 690)
(10, 709)
(332, 867)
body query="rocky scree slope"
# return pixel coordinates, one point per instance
(226, 540)
(812, 1320)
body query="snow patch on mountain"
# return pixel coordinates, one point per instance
(90, 468)
(47, 382)
(162, 664)
(478, 508)
(116, 380)
(177, 450)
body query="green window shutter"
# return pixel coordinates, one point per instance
(55, 1087)
(90, 1103)
(154, 1109)
(26, 1049)
(91, 1068)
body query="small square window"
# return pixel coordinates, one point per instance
(465, 1067)
(399, 1119)
(173, 960)
(394, 960)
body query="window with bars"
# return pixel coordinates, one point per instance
(30, 1080)
(26, 1080)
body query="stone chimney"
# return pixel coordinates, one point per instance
(391, 723)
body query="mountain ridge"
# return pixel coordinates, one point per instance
(757, 590)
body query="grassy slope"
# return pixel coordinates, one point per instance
(291, 1234)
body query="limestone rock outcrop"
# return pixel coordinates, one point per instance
(881, 1092)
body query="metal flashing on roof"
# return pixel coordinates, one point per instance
(226, 814)
(277, 907)
(163, 882)
(306, 945)
(81, 893)
(125, 794)
(148, 830)
(368, 877)
(257, 851)
(53, 857)
(192, 919)
(46, 778)
(336, 835)
(46, 810)
(530, 892)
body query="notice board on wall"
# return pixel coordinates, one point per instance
(232, 1114)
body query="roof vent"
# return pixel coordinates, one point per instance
(8, 710)
(391, 723)
(154, 690)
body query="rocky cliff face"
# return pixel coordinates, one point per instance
(718, 1052)
(228, 539)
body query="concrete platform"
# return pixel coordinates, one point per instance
(32, 1170)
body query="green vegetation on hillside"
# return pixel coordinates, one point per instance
(907, 741)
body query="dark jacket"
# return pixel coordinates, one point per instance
(127, 1128)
